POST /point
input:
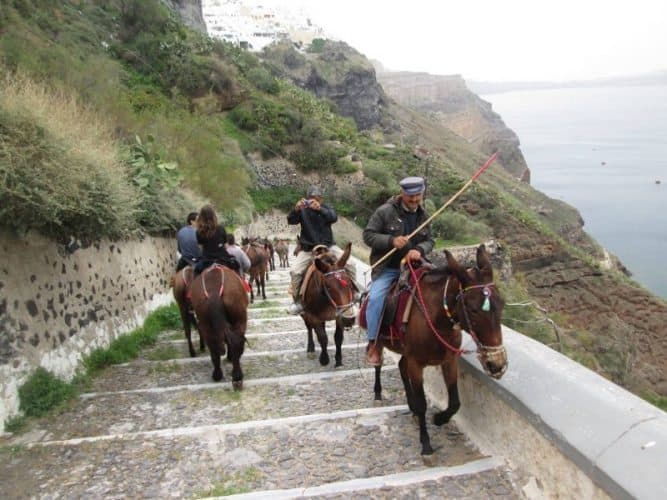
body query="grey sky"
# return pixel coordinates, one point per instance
(502, 39)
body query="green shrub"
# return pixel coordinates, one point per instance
(243, 116)
(59, 170)
(457, 227)
(317, 158)
(41, 392)
(317, 45)
(380, 173)
(280, 197)
(344, 166)
(263, 80)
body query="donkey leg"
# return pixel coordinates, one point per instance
(378, 385)
(217, 370)
(310, 347)
(450, 373)
(193, 322)
(416, 374)
(321, 332)
(263, 289)
(409, 393)
(338, 340)
(236, 345)
(185, 316)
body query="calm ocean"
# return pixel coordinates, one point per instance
(602, 150)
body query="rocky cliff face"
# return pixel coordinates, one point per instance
(358, 95)
(448, 100)
(336, 72)
(190, 11)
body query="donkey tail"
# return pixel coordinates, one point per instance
(219, 322)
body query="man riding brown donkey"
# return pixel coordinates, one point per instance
(446, 300)
(315, 219)
(388, 229)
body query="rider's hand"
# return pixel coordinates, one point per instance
(300, 204)
(413, 255)
(400, 241)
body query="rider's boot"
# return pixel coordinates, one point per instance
(374, 353)
(297, 307)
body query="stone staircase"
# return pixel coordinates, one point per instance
(158, 427)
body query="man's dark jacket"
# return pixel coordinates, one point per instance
(388, 221)
(315, 225)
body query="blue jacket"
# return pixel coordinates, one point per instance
(186, 239)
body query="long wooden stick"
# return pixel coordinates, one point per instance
(439, 211)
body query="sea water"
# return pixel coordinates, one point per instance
(604, 151)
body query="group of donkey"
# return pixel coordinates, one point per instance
(441, 301)
(261, 252)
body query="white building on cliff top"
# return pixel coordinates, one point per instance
(257, 23)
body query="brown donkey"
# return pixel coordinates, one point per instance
(259, 267)
(220, 301)
(432, 335)
(282, 249)
(329, 295)
(180, 283)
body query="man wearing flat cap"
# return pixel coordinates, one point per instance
(388, 228)
(315, 219)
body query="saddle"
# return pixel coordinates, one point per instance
(397, 307)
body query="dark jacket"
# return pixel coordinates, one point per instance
(213, 249)
(315, 225)
(388, 221)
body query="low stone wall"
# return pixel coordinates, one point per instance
(566, 431)
(57, 306)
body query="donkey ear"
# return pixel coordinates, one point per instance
(457, 269)
(343, 258)
(484, 264)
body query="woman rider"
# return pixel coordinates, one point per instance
(212, 238)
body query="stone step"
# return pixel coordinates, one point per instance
(98, 414)
(260, 341)
(482, 478)
(284, 453)
(277, 302)
(141, 374)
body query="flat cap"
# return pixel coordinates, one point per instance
(313, 191)
(412, 185)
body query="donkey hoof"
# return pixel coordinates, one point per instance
(237, 385)
(440, 418)
(324, 359)
(427, 450)
(217, 375)
(193, 353)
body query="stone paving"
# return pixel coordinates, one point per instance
(158, 427)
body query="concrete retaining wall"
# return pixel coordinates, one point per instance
(567, 431)
(57, 306)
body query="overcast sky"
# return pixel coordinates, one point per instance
(502, 39)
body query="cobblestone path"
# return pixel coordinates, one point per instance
(164, 429)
